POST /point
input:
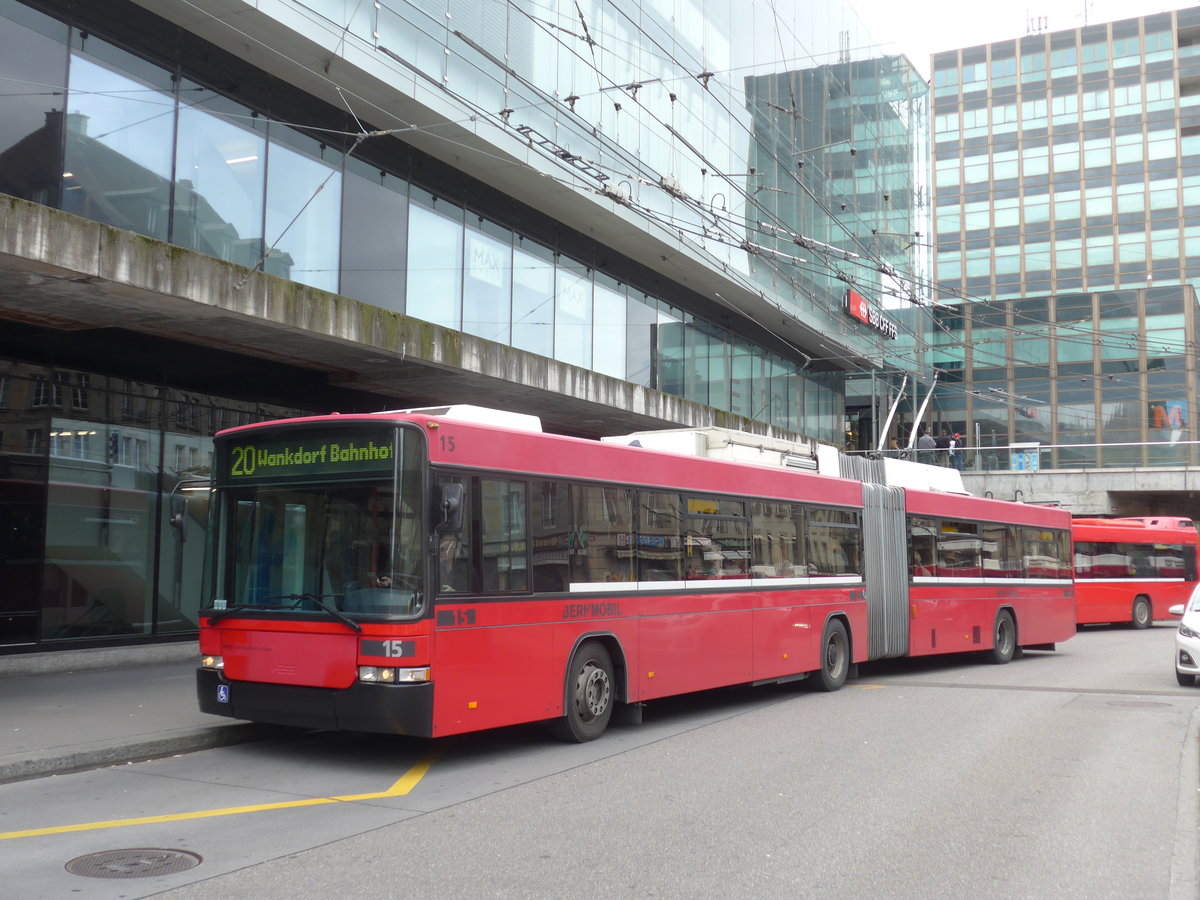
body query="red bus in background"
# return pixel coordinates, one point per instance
(423, 574)
(1132, 569)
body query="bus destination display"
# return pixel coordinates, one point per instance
(339, 454)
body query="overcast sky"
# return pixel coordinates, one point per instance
(920, 28)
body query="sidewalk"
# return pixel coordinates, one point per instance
(80, 709)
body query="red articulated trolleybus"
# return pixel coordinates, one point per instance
(421, 574)
(1133, 569)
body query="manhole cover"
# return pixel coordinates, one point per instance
(139, 862)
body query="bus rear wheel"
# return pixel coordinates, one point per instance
(835, 657)
(589, 695)
(1004, 638)
(1141, 613)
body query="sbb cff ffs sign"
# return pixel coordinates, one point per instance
(860, 307)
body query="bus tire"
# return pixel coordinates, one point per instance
(835, 657)
(1004, 638)
(589, 695)
(1142, 613)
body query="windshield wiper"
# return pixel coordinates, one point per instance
(297, 599)
(319, 599)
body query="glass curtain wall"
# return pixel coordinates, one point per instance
(150, 151)
(104, 502)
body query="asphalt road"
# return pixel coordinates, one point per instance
(1066, 774)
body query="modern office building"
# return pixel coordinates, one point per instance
(220, 212)
(1066, 194)
(841, 156)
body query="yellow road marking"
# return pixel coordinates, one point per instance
(406, 783)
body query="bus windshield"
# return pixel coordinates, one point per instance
(340, 546)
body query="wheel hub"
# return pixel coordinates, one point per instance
(592, 692)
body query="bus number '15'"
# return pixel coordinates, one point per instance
(243, 461)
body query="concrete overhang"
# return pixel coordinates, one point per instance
(306, 50)
(64, 272)
(1097, 492)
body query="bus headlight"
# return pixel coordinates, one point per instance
(376, 674)
(388, 675)
(212, 662)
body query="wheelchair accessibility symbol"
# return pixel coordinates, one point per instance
(222, 693)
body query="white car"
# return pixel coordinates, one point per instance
(1187, 640)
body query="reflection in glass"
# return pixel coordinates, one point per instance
(220, 166)
(183, 527)
(641, 335)
(487, 288)
(100, 527)
(303, 212)
(374, 237)
(119, 135)
(573, 314)
(533, 299)
(609, 330)
(32, 50)
(435, 262)
(23, 436)
(783, 409)
(743, 368)
(672, 357)
(503, 537)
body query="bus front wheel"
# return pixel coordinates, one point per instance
(589, 694)
(1141, 613)
(1004, 638)
(835, 657)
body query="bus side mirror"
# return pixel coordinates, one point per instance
(188, 489)
(450, 504)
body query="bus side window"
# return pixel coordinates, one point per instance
(922, 546)
(833, 539)
(657, 553)
(503, 537)
(548, 523)
(777, 531)
(600, 536)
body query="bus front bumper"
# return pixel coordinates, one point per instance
(381, 708)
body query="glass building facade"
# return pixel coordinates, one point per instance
(104, 502)
(661, 118)
(143, 147)
(1067, 221)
